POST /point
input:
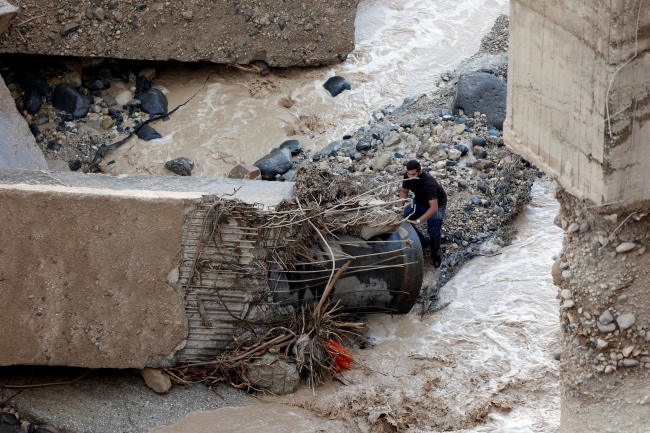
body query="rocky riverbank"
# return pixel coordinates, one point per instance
(487, 185)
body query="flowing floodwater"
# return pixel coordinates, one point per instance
(483, 364)
(402, 46)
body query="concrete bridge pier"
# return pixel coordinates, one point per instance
(579, 108)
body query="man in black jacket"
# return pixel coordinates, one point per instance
(429, 206)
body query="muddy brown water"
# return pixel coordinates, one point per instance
(483, 364)
(402, 46)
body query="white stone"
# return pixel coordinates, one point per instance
(380, 162)
(567, 274)
(574, 227)
(641, 251)
(460, 128)
(625, 247)
(454, 154)
(123, 97)
(625, 321)
(606, 318)
(568, 303)
(626, 352)
(392, 139)
(630, 362)
(156, 380)
(565, 294)
(601, 344)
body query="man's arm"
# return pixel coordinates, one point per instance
(433, 208)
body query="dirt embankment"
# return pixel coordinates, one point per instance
(280, 33)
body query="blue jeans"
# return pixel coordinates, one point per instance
(434, 224)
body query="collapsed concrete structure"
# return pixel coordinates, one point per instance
(579, 108)
(142, 271)
(280, 33)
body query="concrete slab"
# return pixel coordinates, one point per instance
(107, 401)
(7, 13)
(18, 147)
(92, 266)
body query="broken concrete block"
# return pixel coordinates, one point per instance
(156, 380)
(18, 147)
(275, 375)
(244, 171)
(7, 14)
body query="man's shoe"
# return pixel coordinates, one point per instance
(437, 261)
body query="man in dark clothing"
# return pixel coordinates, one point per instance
(429, 206)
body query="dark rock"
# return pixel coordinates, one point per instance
(451, 163)
(153, 102)
(352, 169)
(479, 141)
(99, 85)
(476, 201)
(146, 133)
(180, 166)
(74, 165)
(278, 162)
(363, 145)
(134, 103)
(34, 130)
(482, 155)
(53, 145)
(70, 100)
(33, 81)
(282, 24)
(469, 210)
(336, 85)
(8, 419)
(142, 84)
(481, 186)
(32, 101)
(111, 74)
(66, 29)
(458, 235)
(294, 146)
(462, 149)
(484, 93)
(41, 119)
(398, 155)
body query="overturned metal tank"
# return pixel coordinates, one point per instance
(384, 275)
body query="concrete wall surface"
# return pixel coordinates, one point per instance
(578, 94)
(18, 148)
(88, 265)
(279, 32)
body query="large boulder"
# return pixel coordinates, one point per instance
(484, 93)
(33, 81)
(153, 102)
(275, 163)
(70, 100)
(336, 85)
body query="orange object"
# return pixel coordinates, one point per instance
(341, 357)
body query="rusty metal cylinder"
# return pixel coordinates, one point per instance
(384, 275)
